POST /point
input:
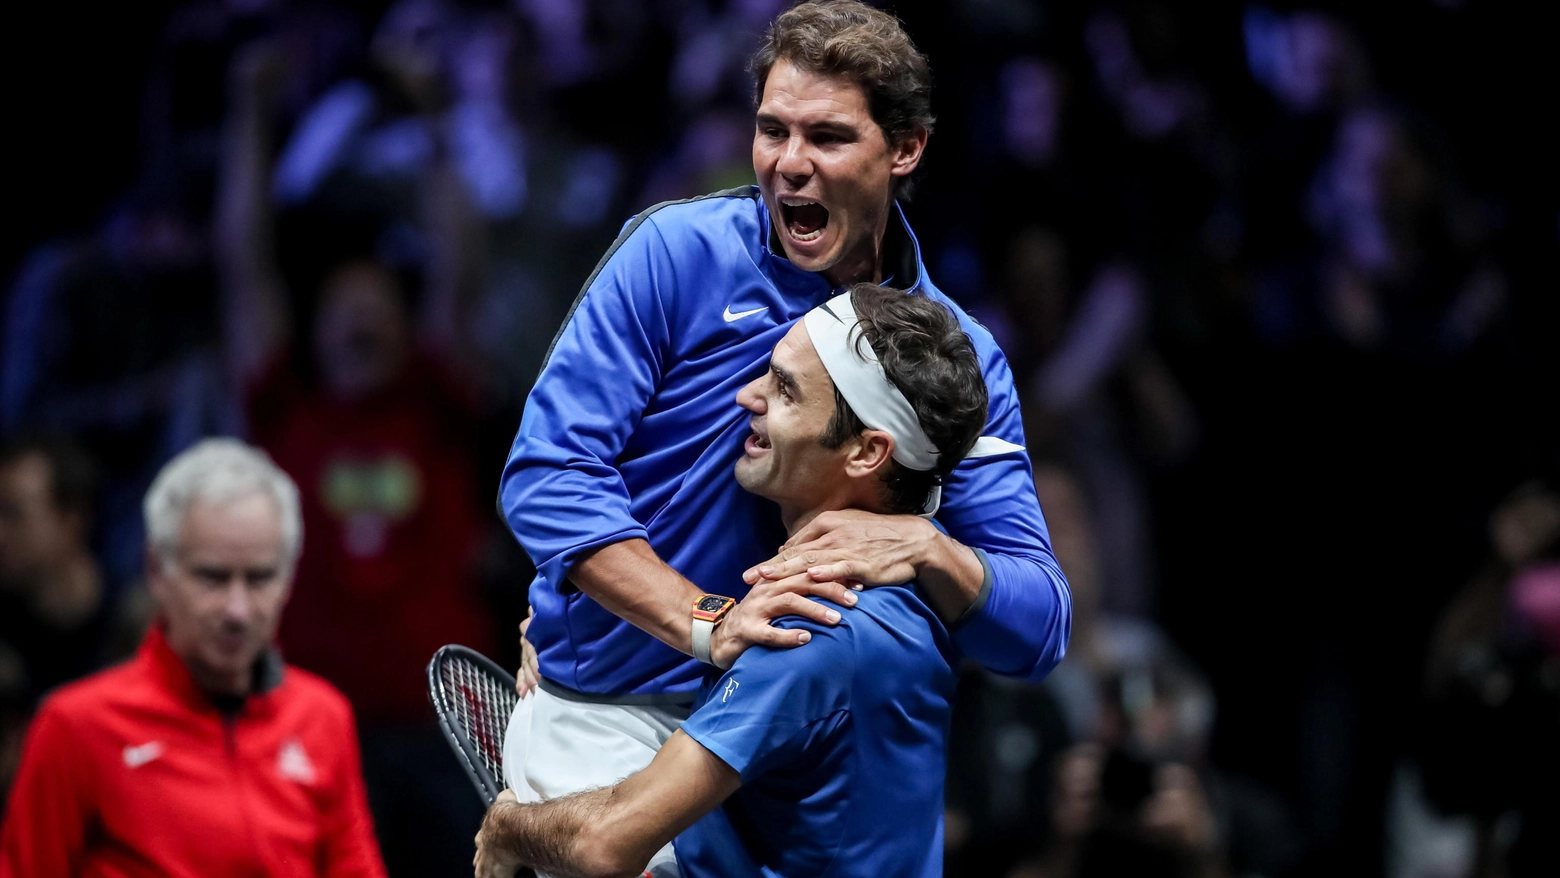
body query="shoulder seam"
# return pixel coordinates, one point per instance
(750, 192)
(738, 192)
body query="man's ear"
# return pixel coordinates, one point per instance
(907, 152)
(870, 454)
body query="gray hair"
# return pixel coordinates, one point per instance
(218, 471)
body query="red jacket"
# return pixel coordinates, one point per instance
(133, 771)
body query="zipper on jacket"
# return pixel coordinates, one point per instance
(236, 770)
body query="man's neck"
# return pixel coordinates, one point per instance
(864, 268)
(795, 518)
(795, 521)
(219, 686)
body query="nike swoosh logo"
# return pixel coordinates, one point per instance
(135, 757)
(729, 316)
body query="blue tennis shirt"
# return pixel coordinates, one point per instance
(632, 430)
(841, 746)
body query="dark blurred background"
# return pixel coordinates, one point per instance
(1278, 282)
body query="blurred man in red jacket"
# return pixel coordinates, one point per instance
(205, 754)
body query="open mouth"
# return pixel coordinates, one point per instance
(756, 443)
(805, 220)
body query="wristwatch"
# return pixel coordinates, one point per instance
(708, 611)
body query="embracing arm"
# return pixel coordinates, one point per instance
(631, 581)
(561, 491)
(1013, 616)
(1008, 605)
(1020, 624)
(611, 831)
(849, 545)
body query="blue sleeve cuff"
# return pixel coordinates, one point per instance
(981, 597)
(1021, 629)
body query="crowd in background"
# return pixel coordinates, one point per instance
(1276, 282)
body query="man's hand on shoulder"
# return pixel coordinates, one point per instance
(751, 621)
(858, 548)
(851, 546)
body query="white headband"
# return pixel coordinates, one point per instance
(856, 372)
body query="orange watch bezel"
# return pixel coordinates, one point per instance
(717, 615)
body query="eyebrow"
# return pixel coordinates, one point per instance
(822, 126)
(787, 381)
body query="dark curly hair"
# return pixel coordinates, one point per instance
(926, 354)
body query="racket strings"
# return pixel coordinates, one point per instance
(482, 705)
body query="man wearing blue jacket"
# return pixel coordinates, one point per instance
(827, 760)
(618, 482)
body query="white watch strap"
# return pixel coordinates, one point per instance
(702, 630)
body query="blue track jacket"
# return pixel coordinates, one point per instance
(633, 428)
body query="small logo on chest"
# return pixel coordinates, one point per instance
(728, 315)
(137, 756)
(293, 763)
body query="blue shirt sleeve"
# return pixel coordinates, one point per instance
(1023, 618)
(776, 705)
(560, 491)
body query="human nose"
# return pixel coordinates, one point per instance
(795, 159)
(237, 603)
(751, 396)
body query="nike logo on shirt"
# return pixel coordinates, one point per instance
(135, 757)
(729, 315)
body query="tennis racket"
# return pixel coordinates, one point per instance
(473, 698)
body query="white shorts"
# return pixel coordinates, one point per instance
(556, 746)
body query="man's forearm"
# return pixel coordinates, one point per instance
(612, 831)
(630, 581)
(634, 584)
(556, 836)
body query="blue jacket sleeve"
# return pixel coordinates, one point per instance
(776, 705)
(560, 491)
(1022, 619)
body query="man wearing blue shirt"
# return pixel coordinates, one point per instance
(829, 759)
(618, 484)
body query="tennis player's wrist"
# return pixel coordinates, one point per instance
(721, 653)
(951, 574)
(709, 611)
